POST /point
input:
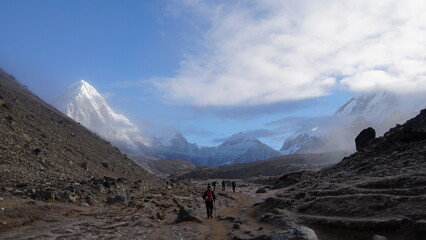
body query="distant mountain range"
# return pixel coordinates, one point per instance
(85, 105)
(381, 111)
(237, 149)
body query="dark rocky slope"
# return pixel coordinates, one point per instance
(381, 189)
(38, 144)
(270, 167)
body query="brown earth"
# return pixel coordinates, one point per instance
(152, 216)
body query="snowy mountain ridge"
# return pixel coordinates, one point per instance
(85, 105)
(373, 107)
(236, 149)
(379, 110)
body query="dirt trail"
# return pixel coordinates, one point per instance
(235, 215)
(153, 218)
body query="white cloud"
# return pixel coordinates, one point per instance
(266, 51)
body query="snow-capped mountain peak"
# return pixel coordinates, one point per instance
(373, 105)
(84, 104)
(239, 138)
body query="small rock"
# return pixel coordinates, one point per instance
(378, 237)
(1, 199)
(72, 197)
(236, 226)
(101, 188)
(2, 208)
(21, 185)
(160, 215)
(226, 218)
(116, 199)
(57, 195)
(7, 189)
(139, 223)
(37, 152)
(17, 191)
(261, 190)
(187, 214)
(84, 204)
(105, 165)
(132, 204)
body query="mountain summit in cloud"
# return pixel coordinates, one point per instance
(381, 110)
(85, 105)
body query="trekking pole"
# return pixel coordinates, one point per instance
(214, 209)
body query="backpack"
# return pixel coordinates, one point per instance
(209, 196)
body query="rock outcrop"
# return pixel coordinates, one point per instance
(364, 137)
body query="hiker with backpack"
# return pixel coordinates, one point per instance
(209, 199)
(214, 185)
(234, 185)
(223, 185)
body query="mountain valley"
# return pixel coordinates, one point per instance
(60, 180)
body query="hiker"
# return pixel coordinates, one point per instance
(209, 199)
(223, 185)
(233, 186)
(214, 185)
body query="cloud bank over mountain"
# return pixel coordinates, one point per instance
(261, 52)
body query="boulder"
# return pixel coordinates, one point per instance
(261, 190)
(187, 214)
(378, 237)
(296, 233)
(364, 137)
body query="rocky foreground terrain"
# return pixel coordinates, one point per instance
(380, 190)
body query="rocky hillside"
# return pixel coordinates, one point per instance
(38, 144)
(380, 190)
(164, 167)
(270, 167)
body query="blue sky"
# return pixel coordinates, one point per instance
(209, 69)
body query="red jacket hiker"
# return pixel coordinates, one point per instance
(209, 198)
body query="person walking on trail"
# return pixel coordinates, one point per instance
(223, 185)
(209, 199)
(233, 186)
(214, 185)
